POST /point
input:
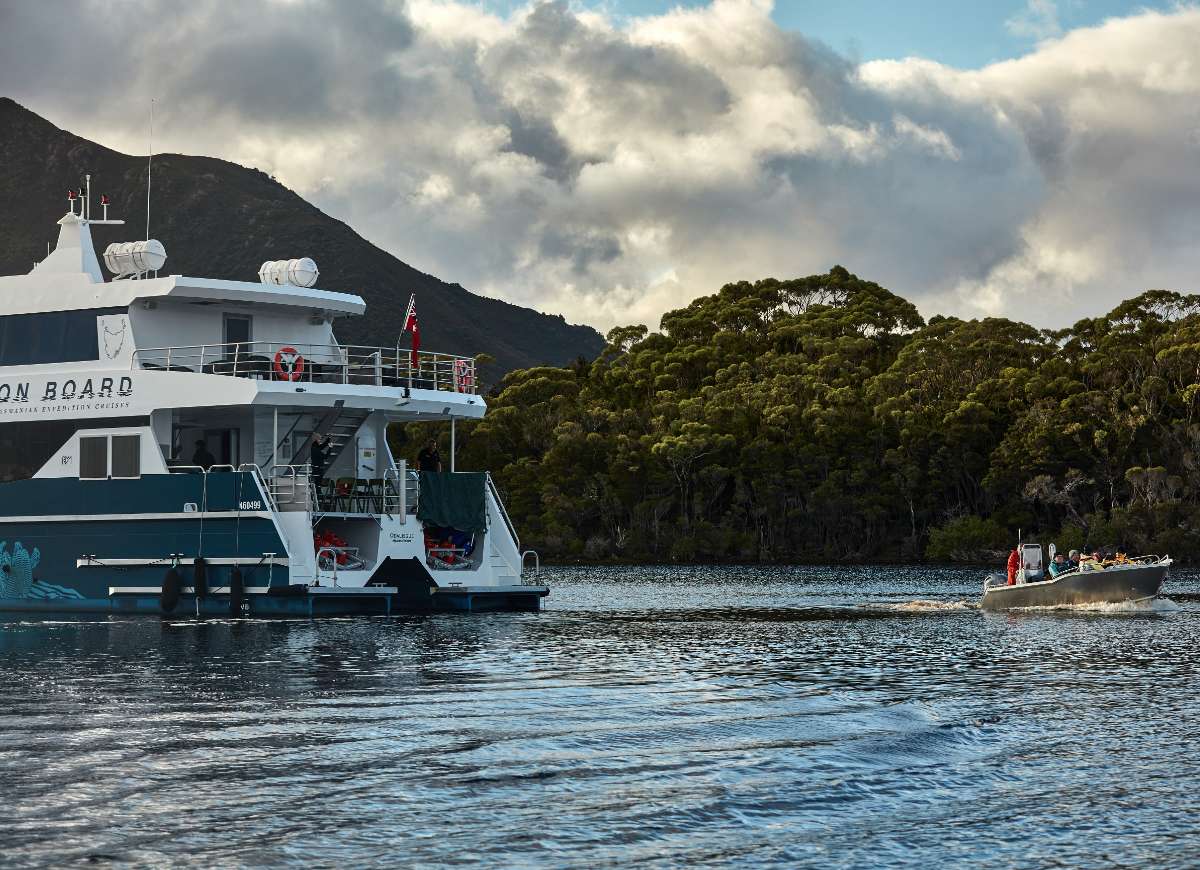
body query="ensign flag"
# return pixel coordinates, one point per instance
(410, 325)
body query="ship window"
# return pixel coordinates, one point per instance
(26, 447)
(93, 458)
(126, 456)
(237, 331)
(50, 337)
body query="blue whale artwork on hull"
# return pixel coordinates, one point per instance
(16, 575)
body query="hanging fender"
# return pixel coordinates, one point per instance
(172, 586)
(237, 591)
(200, 578)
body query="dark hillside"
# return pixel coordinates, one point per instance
(218, 219)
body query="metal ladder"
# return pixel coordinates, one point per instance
(339, 424)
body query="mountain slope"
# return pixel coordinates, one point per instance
(221, 220)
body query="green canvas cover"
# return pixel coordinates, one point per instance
(453, 499)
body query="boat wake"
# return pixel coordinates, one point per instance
(926, 605)
(1152, 605)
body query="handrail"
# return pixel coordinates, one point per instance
(284, 481)
(331, 551)
(391, 475)
(319, 363)
(256, 472)
(512, 530)
(537, 563)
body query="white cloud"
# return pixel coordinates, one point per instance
(612, 168)
(1038, 20)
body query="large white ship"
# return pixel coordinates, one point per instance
(155, 446)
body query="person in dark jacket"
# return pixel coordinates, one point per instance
(318, 456)
(429, 459)
(202, 457)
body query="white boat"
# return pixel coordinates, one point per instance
(1127, 581)
(107, 386)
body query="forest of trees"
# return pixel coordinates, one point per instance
(822, 419)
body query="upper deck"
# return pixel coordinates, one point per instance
(64, 321)
(299, 363)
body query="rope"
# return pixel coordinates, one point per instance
(203, 511)
(173, 559)
(237, 525)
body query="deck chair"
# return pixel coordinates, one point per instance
(343, 494)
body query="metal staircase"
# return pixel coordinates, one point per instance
(339, 424)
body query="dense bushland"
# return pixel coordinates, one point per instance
(822, 419)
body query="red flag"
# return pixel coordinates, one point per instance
(410, 325)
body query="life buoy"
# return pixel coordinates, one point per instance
(171, 588)
(289, 364)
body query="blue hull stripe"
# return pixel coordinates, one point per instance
(143, 519)
(154, 493)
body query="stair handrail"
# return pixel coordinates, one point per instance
(512, 530)
(537, 564)
(291, 475)
(332, 552)
(397, 478)
(256, 472)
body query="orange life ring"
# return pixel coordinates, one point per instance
(288, 356)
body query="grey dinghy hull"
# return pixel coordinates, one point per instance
(1110, 586)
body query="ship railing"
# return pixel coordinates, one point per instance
(512, 529)
(316, 363)
(327, 564)
(531, 578)
(402, 487)
(358, 496)
(291, 487)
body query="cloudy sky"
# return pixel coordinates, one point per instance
(612, 160)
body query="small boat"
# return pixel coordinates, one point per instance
(1117, 582)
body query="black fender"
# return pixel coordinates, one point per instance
(172, 587)
(237, 591)
(200, 578)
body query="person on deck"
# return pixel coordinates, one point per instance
(1014, 563)
(317, 456)
(202, 457)
(1060, 565)
(1073, 558)
(429, 459)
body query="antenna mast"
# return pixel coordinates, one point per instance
(149, 161)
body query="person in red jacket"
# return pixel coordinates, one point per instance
(1014, 562)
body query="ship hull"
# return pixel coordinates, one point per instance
(107, 546)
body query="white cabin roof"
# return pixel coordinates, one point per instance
(70, 279)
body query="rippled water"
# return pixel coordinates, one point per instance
(761, 717)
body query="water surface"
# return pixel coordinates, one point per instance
(709, 716)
